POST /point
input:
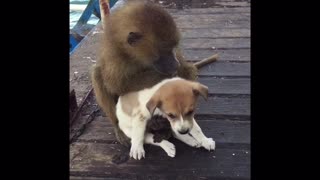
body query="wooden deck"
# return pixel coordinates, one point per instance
(223, 29)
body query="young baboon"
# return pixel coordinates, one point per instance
(139, 49)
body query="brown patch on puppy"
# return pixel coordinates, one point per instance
(178, 96)
(153, 103)
(128, 102)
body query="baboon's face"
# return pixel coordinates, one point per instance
(150, 50)
(150, 37)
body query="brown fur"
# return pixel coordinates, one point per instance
(128, 102)
(178, 97)
(124, 67)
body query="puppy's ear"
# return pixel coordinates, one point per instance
(153, 103)
(134, 38)
(200, 89)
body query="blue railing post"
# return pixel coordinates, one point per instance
(93, 7)
(86, 14)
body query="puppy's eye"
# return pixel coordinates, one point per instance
(189, 113)
(171, 116)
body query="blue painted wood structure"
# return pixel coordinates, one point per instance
(93, 7)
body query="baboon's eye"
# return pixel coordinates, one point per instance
(134, 37)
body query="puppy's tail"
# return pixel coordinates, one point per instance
(206, 61)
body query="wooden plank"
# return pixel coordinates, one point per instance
(214, 33)
(222, 131)
(94, 159)
(208, 43)
(238, 10)
(94, 178)
(80, 62)
(204, 4)
(72, 104)
(226, 86)
(90, 178)
(236, 106)
(224, 24)
(211, 17)
(214, 21)
(225, 69)
(233, 4)
(236, 55)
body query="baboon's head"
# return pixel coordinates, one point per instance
(146, 34)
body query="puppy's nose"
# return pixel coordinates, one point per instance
(184, 131)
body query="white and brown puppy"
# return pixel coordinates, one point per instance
(174, 99)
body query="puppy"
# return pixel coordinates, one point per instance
(174, 99)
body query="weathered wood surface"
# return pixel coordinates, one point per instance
(94, 159)
(230, 55)
(224, 131)
(226, 86)
(230, 4)
(224, 28)
(214, 33)
(209, 43)
(193, 11)
(226, 69)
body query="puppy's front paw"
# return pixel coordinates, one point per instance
(191, 141)
(169, 148)
(197, 145)
(137, 152)
(209, 144)
(194, 143)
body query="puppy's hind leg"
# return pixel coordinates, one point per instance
(167, 146)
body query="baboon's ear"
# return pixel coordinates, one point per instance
(134, 38)
(201, 89)
(153, 103)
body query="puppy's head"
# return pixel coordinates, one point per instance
(177, 100)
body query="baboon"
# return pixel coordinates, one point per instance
(140, 48)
